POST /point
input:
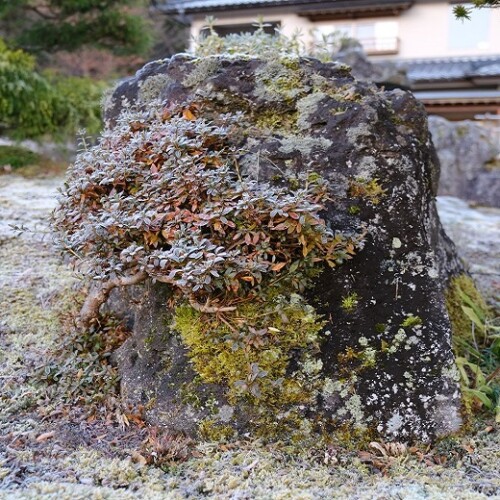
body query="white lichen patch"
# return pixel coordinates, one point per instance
(398, 340)
(226, 413)
(152, 87)
(363, 341)
(370, 356)
(312, 366)
(354, 406)
(366, 167)
(394, 423)
(307, 107)
(330, 386)
(356, 135)
(396, 243)
(451, 372)
(304, 145)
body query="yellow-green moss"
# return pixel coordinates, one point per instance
(350, 437)
(213, 431)
(350, 302)
(283, 78)
(460, 322)
(272, 120)
(252, 351)
(353, 210)
(411, 321)
(370, 190)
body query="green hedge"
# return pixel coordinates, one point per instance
(17, 157)
(33, 105)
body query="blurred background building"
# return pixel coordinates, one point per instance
(453, 66)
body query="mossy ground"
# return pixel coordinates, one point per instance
(61, 454)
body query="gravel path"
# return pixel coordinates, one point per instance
(42, 455)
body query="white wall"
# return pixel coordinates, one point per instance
(428, 29)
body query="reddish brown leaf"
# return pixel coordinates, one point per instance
(188, 115)
(45, 436)
(278, 266)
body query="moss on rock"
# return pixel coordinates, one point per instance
(263, 354)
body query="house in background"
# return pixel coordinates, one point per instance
(453, 66)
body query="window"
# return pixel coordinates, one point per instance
(378, 37)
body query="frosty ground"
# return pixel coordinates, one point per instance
(53, 448)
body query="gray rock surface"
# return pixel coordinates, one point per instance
(467, 152)
(375, 150)
(476, 234)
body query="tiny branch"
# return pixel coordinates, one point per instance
(44, 15)
(99, 293)
(206, 308)
(203, 308)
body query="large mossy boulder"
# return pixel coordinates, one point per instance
(367, 347)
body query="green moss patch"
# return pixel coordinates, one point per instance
(263, 353)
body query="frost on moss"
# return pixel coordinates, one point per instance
(258, 44)
(203, 69)
(281, 79)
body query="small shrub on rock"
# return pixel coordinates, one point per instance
(161, 197)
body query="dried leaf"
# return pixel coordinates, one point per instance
(137, 458)
(379, 447)
(45, 436)
(188, 115)
(278, 266)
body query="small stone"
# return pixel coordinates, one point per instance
(396, 243)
